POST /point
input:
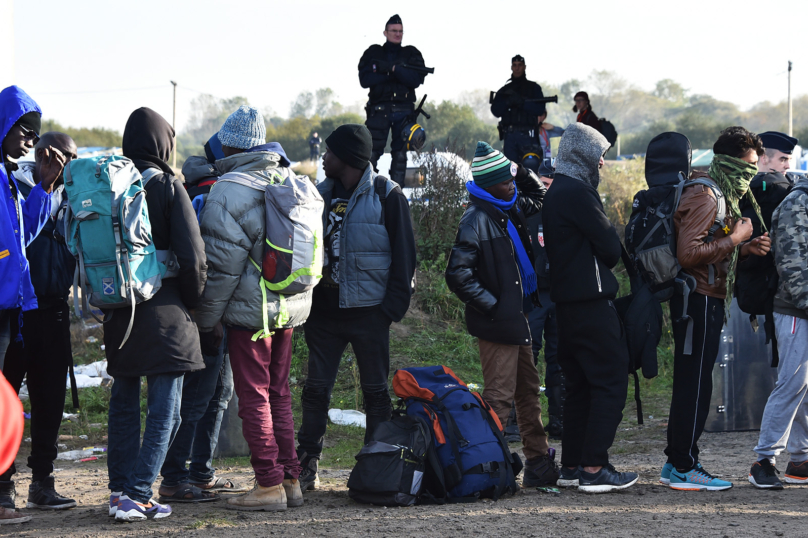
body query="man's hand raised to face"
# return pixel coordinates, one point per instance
(50, 167)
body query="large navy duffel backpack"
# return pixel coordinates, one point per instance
(466, 432)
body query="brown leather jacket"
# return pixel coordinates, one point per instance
(693, 219)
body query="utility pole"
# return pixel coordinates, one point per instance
(174, 123)
(790, 116)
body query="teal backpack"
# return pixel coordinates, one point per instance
(109, 233)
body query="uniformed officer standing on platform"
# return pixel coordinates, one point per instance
(387, 71)
(519, 119)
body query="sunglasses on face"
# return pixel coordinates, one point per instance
(29, 134)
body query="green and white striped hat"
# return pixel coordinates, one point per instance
(490, 166)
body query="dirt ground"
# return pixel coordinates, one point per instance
(647, 509)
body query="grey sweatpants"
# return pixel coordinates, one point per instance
(785, 418)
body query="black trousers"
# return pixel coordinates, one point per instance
(594, 357)
(44, 354)
(327, 338)
(692, 376)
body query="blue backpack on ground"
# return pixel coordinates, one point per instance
(109, 233)
(466, 433)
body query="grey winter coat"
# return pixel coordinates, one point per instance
(233, 227)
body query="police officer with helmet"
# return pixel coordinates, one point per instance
(392, 72)
(519, 123)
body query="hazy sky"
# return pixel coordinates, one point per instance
(91, 62)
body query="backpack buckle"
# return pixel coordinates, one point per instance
(487, 467)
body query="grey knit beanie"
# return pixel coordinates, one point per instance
(243, 129)
(579, 153)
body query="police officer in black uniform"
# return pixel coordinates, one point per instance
(392, 93)
(519, 119)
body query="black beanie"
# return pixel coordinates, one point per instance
(31, 121)
(395, 19)
(352, 143)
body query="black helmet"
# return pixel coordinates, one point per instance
(531, 161)
(414, 137)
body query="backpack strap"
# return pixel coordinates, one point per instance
(244, 179)
(380, 186)
(718, 222)
(149, 174)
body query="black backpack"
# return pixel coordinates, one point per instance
(650, 234)
(607, 129)
(399, 466)
(641, 315)
(756, 278)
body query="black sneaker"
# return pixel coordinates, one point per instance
(797, 473)
(763, 475)
(42, 495)
(605, 480)
(308, 474)
(7, 494)
(568, 478)
(541, 471)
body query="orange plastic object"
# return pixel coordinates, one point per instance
(11, 424)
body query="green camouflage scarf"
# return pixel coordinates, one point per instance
(733, 175)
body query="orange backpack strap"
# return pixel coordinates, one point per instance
(436, 427)
(451, 373)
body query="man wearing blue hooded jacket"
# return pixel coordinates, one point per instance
(20, 220)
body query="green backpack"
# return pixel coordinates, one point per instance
(109, 233)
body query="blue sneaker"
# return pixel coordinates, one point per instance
(665, 476)
(129, 510)
(114, 498)
(697, 479)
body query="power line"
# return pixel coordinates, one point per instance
(120, 90)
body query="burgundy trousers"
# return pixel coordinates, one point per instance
(261, 381)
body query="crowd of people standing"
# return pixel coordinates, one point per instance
(532, 262)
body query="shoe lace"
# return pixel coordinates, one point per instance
(701, 470)
(769, 469)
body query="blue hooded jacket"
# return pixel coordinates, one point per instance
(20, 220)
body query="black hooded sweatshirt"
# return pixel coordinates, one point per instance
(164, 337)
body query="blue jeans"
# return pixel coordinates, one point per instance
(132, 467)
(205, 396)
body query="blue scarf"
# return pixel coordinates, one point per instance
(529, 283)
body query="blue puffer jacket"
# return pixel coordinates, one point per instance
(20, 221)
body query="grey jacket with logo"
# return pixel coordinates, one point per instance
(233, 227)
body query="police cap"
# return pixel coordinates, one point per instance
(779, 141)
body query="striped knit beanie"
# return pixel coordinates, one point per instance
(490, 166)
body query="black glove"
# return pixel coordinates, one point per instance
(515, 100)
(210, 341)
(382, 66)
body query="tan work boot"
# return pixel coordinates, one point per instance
(294, 496)
(269, 499)
(10, 517)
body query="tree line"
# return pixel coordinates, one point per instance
(638, 115)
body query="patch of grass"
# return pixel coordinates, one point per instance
(210, 521)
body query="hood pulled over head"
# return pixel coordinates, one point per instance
(148, 139)
(667, 157)
(579, 153)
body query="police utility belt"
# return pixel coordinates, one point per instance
(390, 108)
(515, 128)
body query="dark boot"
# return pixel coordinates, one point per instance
(7, 494)
(542, 471)
(398, 167)
(511, 429)
(308, 474)
(374, 159)
(42, 494)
